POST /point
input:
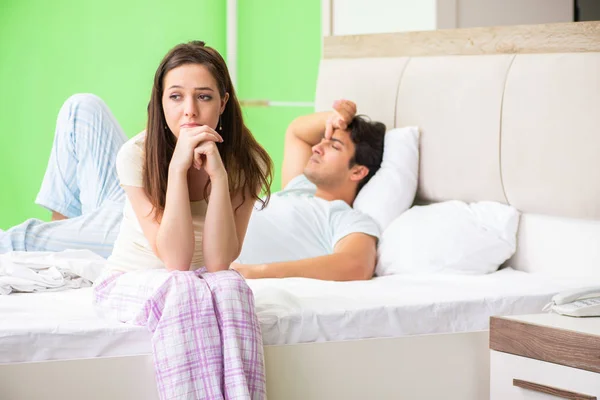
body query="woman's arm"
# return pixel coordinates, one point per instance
(171, 250)
(172, 236)
(220, 243)
(225, 226)
(175, 239)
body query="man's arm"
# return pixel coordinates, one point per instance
(306, 131)
(302, 134)
(353, 259)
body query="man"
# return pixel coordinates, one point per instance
(309, 229)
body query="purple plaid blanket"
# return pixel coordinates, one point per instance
(206, 336)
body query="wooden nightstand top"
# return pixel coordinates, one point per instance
(559, 339)
(586, 325)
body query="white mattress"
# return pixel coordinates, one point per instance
(62, 325)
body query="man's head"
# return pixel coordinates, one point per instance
(349, 159)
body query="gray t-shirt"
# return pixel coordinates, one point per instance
(297, 225)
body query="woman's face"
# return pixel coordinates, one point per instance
(191, 98)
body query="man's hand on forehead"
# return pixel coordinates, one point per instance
(344, 111)
(345, 108)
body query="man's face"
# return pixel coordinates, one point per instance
(329, 163)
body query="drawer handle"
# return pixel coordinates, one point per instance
(565, 394)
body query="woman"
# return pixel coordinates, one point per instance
(191, 180)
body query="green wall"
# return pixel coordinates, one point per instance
(279, 48)
(50, 50)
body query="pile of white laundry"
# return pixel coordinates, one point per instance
(43, 271)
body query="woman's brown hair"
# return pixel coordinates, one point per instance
(249, 167)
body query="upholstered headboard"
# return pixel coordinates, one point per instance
(509, 114)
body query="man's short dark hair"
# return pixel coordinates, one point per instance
(368, 137)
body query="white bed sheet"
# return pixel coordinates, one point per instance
(62, 325)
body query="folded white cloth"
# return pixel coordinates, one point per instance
(44, 271)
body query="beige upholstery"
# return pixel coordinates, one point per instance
(551, 134)
(371, 82)
(522, 129)
(455, 100)
(558, 246)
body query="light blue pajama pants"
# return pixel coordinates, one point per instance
(80, 182)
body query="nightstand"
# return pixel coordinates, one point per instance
(544, 356)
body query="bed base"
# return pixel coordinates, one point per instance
(449, 366)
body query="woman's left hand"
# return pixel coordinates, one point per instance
(207, 157)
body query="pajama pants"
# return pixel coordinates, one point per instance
(206, 337)
(80, 182)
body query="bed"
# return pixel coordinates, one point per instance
(507, 114)
(302, 317)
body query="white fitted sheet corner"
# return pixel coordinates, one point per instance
(63, 325)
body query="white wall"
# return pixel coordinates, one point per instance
(350, 17)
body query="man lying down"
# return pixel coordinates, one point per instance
(308, 229)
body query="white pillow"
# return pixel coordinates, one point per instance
(449, 237)
(392, 189)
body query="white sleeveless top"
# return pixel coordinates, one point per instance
(132, 251)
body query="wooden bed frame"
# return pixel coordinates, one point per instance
(448, 366)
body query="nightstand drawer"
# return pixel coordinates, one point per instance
(515, 378)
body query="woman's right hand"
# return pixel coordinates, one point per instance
(189, 139)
